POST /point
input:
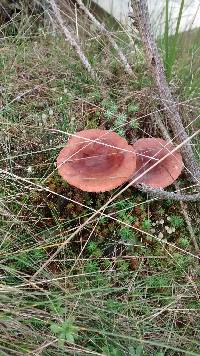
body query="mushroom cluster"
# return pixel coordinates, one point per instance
(99, 160)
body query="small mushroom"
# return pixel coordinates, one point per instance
(96, 160)
(148, 151)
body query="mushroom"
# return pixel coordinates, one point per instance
(96, 160)
(148, 150)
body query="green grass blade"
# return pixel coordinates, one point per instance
(173, 47)
(166, 34)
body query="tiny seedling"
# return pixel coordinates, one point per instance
(146, 224)
(127, 233)
(91, 266)
(183, 242)
(176, 221)
(132, 108)
(65, 331)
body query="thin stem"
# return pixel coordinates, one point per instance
(166, 36)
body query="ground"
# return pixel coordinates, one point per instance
(124, 285)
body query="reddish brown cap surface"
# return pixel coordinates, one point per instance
(148, 150)
(96, 166)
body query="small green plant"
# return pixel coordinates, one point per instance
(109, 105)
(134, 124)
(91, 266)
(93, 249)
(119, 124)
(118, 119)
(65, 331)
(176, 221)
(158, 281)
(103, 219)
(114, 305)
(161, 211)
(109, 114)
(168, 202)
(182, 262)
(127, 233)
(92, 246)
(132, 108)
(183, 242)
(123, 204)
(107, 264)
(96, 96)
(146, 224)
(123, 265)
(129, 219)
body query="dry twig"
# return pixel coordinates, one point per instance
(161, 194)
(103, 30)
(71, 38)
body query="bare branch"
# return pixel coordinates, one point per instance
(161, 194)
(103, 29)
(154, 62)
(71, 38)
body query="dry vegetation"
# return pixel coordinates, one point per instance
(128, 283)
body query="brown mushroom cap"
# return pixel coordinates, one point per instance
(96, 166)
(148, 150)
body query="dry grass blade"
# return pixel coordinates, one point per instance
(87, 273)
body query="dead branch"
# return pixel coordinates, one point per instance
(154, 62)
(161, 194)
(71, 38)
(103, 30)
